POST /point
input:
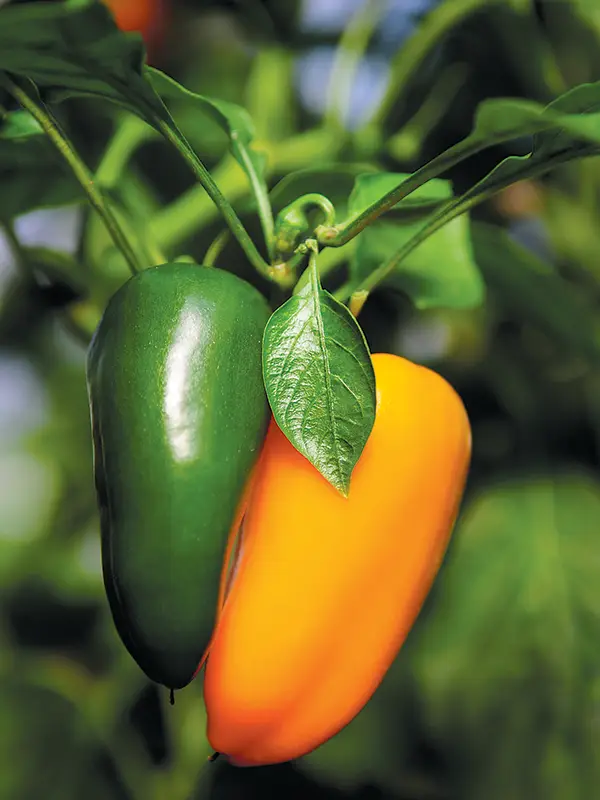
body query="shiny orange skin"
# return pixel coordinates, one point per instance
(327, 588)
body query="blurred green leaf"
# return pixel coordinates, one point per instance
(576, 134)
(18, 125)
(74, 48)
(441, 271)
(364, 751)
(46, 751)
(533, 290)
(507, 660)
(570, 119)
(31, 170)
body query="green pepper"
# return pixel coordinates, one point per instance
(178, 415)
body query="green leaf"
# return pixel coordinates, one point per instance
(368, 188)
(238, 126)
(574, 118)
(575, 115)
(534, 291)
(507, 660)
(31, 168)
(18, 125)
(442, 271)
(46, 748)
(320, 381)
(74, 48)
(575, 135)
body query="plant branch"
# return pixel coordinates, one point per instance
(216, 248)
(193, 209)
(453, 209)
(51, 128)
(177, 139)
(261, 195)
(130, 133)
(349, 53)
(432, 28)
(340, 234)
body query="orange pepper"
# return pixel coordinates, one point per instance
(326, 589)
(144, 16)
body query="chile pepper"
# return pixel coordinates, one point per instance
(179, 415)
(326, 588)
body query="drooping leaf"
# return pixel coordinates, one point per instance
(74, 48)
(320, 381)
(442, 271)
(507, 660)
(534, 291)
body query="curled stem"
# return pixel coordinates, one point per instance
(216, 248)
(293, 224)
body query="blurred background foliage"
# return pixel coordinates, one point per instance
(496, 694)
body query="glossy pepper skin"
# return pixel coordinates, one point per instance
(179, 415)
(325, 588)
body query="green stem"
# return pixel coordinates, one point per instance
(451, 211)
(50, 126)
(313, 269)
(293, 224)
(216, 248)
(193, 209)
(329, 260)
(349, 53)
(407, 143)
(261, 195)
(428, 33)
(130, 133)
(339, 235)
(177, 139)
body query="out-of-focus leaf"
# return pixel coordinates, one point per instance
(576, 134)
(534, 291)
(46, 750)
(74, 48)
(31, 172)
(507, 661)
(441, 271)
(366, 751)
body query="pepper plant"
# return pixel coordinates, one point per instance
(322, 221)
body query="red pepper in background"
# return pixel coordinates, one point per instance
(148, 17)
